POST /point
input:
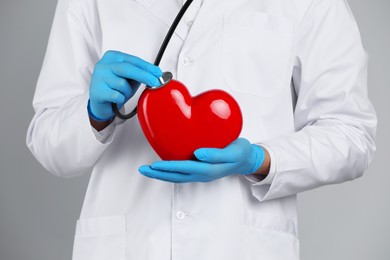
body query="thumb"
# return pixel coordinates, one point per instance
(215, 155)
(230, 154)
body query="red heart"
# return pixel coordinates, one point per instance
(177, 124)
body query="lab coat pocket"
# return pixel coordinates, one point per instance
(102, 238)
(270, 237)
(256, 52)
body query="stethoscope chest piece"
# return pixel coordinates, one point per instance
(164, 80)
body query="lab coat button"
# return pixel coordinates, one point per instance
(180, 214)
(189, 24)
(187, 60)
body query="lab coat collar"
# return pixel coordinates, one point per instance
(210, 13)
(166, 11)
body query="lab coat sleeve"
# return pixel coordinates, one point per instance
(60, 135)
(335, 122)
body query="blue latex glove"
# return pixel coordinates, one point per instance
(240, 157)
(115, 79)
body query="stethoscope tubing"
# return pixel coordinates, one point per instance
(158, 57)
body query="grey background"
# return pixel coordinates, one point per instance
(38, 211)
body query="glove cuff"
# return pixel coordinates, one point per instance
(93, 116)
(259, 156)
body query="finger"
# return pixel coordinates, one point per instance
(164, 176)
(230, 154)
(106, 95)
(116, 56)
(121, 85)
(188, 167)
(144, 65)
(127, 70)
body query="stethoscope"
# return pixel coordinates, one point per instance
(167, 76)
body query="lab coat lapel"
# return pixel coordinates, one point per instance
(211, 12)
(166, 11)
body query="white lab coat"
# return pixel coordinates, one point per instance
(296, 67)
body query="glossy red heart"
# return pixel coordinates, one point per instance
(177, 124)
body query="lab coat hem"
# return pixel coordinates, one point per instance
(104, 136)
(97, 139)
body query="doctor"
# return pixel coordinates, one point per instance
(296, 67)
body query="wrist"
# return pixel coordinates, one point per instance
(97, 123)
(94, 117)
(263, 160)
(258, 157)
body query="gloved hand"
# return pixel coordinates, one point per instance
(115, 79)
(240, 157)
